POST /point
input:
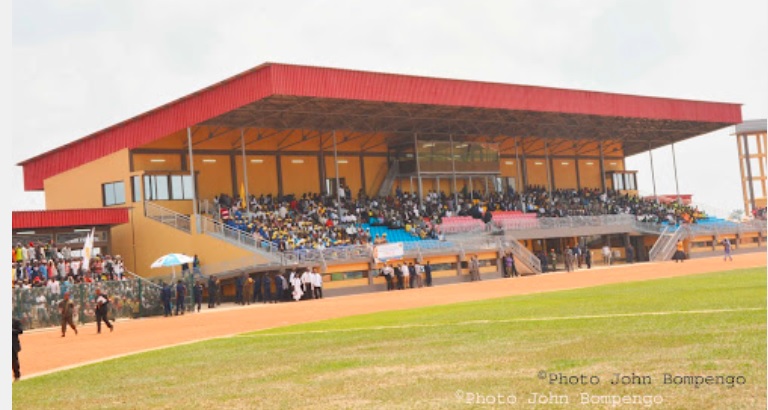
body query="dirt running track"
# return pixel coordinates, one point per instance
(132, 336)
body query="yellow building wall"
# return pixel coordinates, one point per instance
(143, 162)
(589, 174)
(213, 178)
(565, 174)
(508, 168)
(349, 169)
(148, 240)
(536, 171)
(81, 187)
(375, 172)
(302, 177)
(262, 176)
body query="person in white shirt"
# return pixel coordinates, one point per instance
(606, 255)
(404, 273)
(54, 287)
(306, 282)
(389, 274)
(295, 282)
(317, 283)
(75, 266)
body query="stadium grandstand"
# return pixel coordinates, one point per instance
(287, 167)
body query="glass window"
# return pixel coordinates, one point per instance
(148, 191)
(630, 180)
(113, 193)
(161, 187)
(119, 192)
(177, 191)
(136, 182)
(189, 191)
(618, 182)
(167, 187)
(109, 194)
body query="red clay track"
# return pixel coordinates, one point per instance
(133, 336)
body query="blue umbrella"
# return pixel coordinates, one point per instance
(171, 260)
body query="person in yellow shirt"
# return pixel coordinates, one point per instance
(680, 252)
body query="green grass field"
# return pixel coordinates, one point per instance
(457, 355)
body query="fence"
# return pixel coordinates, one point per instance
(131, 298)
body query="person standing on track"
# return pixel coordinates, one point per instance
(267, 288)
(474, 268)
(16, 348)
(727, 250)
(67, 309)
(211, 292)
(102, 308)
(428, 274)
(165, 297)
(248, 290)
(680, 252)
(317, 283)
(181, 293)
(197, 294)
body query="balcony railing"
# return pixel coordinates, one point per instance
(167, 216)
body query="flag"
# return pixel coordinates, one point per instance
(242, 196)
(88, 248)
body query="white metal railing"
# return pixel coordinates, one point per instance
(526, 223)
(248, 240)
(666, 245)
(167, 216)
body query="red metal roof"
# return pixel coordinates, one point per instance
(69, 217)
(289, 80)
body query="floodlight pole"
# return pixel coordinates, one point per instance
(192, 175)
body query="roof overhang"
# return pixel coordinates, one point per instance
(69, 218)
(299, 97)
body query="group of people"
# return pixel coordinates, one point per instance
(315, 221)
(407, 275)
(571, 257)
(34, 265)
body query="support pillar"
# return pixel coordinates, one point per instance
(653, 173)
(245, 172)
(674, 164)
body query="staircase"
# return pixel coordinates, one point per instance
(386, 185)
(666, 245)
(521, 253)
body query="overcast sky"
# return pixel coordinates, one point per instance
(80, 66)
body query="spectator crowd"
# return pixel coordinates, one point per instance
(314, 221)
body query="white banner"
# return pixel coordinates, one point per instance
(387, 251)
